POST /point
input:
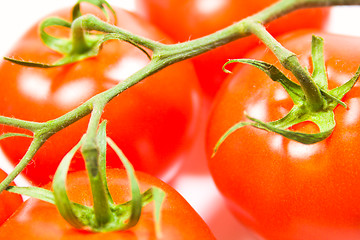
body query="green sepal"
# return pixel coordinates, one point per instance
(293, 89)
(42, 194)
(305, 138)
(153, 194)
(158, 196)
(35, 192)
(136, 201)
(29, 63)
(227, 134)
(68, 211)
(340, 91)
(319, 73)
(7, 135)
(60, 45)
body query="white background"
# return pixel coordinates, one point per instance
(18, 15)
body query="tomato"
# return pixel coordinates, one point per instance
(281, 188)
(40, 220)
(9, 202)
(189, 19)
(152, 122)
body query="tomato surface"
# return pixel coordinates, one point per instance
(281, 188)
(40, 220)
(152, 122)
(9, 202)
(189, 19)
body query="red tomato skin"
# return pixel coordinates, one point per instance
(152, 122)
(40, 220)
(9, 202)
(278, 187)
(184, 20)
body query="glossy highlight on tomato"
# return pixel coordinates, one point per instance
(179, 221)
(185, 20)
(152, 122)
(280, 188)
(9, 202)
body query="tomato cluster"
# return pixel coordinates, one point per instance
(278, 188)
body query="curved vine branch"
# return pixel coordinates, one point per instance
(163, 56)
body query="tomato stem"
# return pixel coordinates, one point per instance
(290, 61)
(90, 152)
(79, 43)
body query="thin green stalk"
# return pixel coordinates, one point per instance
(29, 125)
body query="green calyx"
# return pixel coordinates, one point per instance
(302, 110)
(112, 217)
(81, 44)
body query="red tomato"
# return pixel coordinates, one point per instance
(9, 202)
(281, 188)
(152, 122)
(189, 19)
(40, 220)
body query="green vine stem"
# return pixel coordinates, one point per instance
(163, 56)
